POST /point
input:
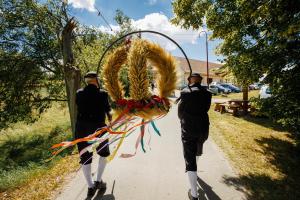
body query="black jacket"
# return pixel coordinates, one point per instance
(194, 104)
(92, 104)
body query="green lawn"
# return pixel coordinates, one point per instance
(264, 156)
(24, 149)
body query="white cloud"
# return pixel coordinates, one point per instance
(85, 4)
(152, 2)
(106, 29)
(159, 22)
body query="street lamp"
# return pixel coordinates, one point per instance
(206, 57)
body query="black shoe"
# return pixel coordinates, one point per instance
(100, 185)
(191, 197)
(91, 192)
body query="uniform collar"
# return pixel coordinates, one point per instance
(195, 85)
(91, 86)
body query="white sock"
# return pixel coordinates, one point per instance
(193, 182)
(101, 166)
(197, 158)
(88, 175)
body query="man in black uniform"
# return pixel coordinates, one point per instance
(194, 104)
(93, 107)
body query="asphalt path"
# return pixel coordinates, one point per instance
(158, 174)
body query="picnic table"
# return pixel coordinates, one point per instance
(219, 107)
(244, 104)
(233, 104)
(239, 102)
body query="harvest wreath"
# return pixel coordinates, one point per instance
(142, 103)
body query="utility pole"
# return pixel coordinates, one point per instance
(207, 70)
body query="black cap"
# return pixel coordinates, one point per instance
(195, 75)
(91, 74)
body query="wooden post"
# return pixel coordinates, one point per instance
(245, 98)
(71, 73)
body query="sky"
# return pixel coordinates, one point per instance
(146, 15)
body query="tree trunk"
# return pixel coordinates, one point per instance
(245, 98)
(71, 73)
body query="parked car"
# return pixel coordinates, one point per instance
(231, 87)
(251, 87)
(265, 92)
(255, 86)
(220, 89)
(214, 91)
(214, 83)
(258, 85)
(182, 86)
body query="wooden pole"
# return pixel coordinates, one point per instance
(245, 99)
(71, 73)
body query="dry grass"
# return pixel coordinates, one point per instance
(57, 115)
(264, 156)
(44, 182)
(24, 174)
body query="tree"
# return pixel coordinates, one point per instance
(72, 73)
(36, 42)
(42, 52)
(124, 22)
(260, 38)
(30, 59)
(88, 47)
(37, 59)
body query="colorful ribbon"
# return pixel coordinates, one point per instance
(113, 133)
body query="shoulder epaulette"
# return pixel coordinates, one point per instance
(79, 90)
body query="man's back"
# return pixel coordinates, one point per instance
(193, 107)
(195, 100)
(92, 104)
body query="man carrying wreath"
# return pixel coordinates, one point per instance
(194, 104)
(93, 107)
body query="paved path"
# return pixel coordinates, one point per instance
(159, 174)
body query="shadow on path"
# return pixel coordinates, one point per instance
(205, 191)
(100, 195)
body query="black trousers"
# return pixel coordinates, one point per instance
(192, 147)
(84, 129)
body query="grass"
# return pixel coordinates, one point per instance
(264, 156)
(24, 174)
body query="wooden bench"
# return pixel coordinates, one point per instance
(243, 104)
(233, 107)
(218, 106)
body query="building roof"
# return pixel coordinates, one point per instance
(198, 66)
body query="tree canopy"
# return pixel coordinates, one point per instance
(30, 58)
(260, 39)
(32, 71)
